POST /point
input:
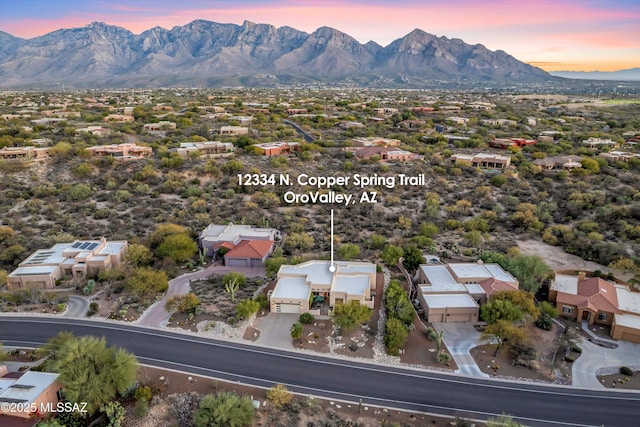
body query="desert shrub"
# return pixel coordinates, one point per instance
(544, 322)
(307, 318)
(247, 308)
(279, 396)
(624, 370)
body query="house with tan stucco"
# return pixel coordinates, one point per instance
(595, 300)
(297, 286)
(454, 292)
(80, 259)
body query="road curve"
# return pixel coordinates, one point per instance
(416, 390)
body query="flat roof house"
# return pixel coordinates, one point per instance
(277, 148)
(76, 259)
(121, 151)
(38, 389)
(385, 154)
(234, 130)
(482, 160)
(454, 292)
(297, 285)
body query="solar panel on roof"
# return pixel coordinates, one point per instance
(84, 245)
(77, 245)
(92, 246)
(22, 386)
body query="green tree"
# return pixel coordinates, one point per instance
(397, 303)
(348, 251)
(138, 255)
(186, 304)
(234, 276)
(506, 333)
(79, 192)
(163, 231)
(395, 335)
(496, 310)
(377, 241)
(412, 258)
(92, 372)
(145, 280)
(12, 253)
(530, 270)
(391, 254)
(297, 242)
(296, 331)
(279, 396)
(247, 308)
(348, 315)
(177, 247)
(3, 277)
(224, 409)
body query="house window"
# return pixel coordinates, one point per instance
(567, 309)
(603, 316)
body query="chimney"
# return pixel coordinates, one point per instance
(581, 276)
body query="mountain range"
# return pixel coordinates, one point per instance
(210, 54)
(631, 74)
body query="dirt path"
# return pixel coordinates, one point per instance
(558, 259)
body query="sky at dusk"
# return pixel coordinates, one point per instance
(555, 35)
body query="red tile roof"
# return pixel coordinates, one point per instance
(492, 286)
(595, 294)
(251, 249)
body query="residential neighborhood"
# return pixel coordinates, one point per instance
(514, 226)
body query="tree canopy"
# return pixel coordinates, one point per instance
(350, 314)
(90, 371)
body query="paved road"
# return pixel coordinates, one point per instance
(535, 405)
(156, 315)
(77, 306)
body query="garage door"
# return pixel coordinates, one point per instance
(464, 317)
(288, 308)
(627, 336)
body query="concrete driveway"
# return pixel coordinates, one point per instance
(460, 338)
(595, 357)
(275, 330)
(77, 306)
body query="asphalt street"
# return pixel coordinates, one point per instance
(535, 405)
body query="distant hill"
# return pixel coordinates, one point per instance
(632, 74)
(204, 53)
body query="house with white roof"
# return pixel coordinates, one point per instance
(454, 292)
(32, 389)
(76, 259)
(297, 286)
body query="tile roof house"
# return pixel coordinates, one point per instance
(599, 301)
(238, 245)
(249, 253)
(297, 285)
